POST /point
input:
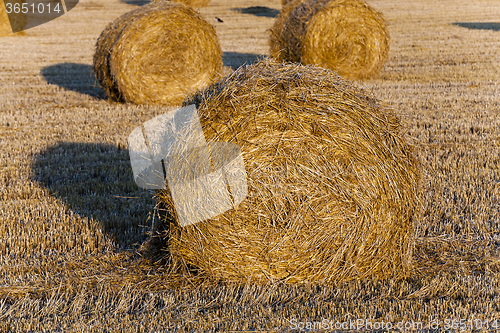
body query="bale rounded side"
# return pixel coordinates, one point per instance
(332, 182)
(346, 36)
(157, 54)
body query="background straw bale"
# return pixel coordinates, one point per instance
(156, 54)
(346, 36)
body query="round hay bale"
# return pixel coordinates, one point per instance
(156, 54)
(192, 3)
(332, 182)
(20, 19)
(346, 36)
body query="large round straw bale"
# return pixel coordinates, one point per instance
(332, 182)
(346, 36)
(156, 54)
(192, 3)
(19, 22)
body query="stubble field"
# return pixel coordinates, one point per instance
(72, 220)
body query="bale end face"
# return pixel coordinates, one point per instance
(332, 182)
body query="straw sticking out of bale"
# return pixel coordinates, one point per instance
(156, 54)
(346, 36)
(332, 182)
(19, 21)
(192, 3)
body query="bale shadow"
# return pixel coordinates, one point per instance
(79, 78)
(136, 2)
(237, 59)
(478, 25)
(258, 11)
(95, 181)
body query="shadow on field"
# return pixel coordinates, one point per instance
(479, 25)
(236, 59)
(95, 180)
(258, 11)
(136, 2)
(74, 77)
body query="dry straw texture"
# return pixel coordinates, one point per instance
(332, 183)
(192, 3)
(346, 36)
(156, 54)
(19, 22)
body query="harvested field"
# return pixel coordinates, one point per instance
(72, 221)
